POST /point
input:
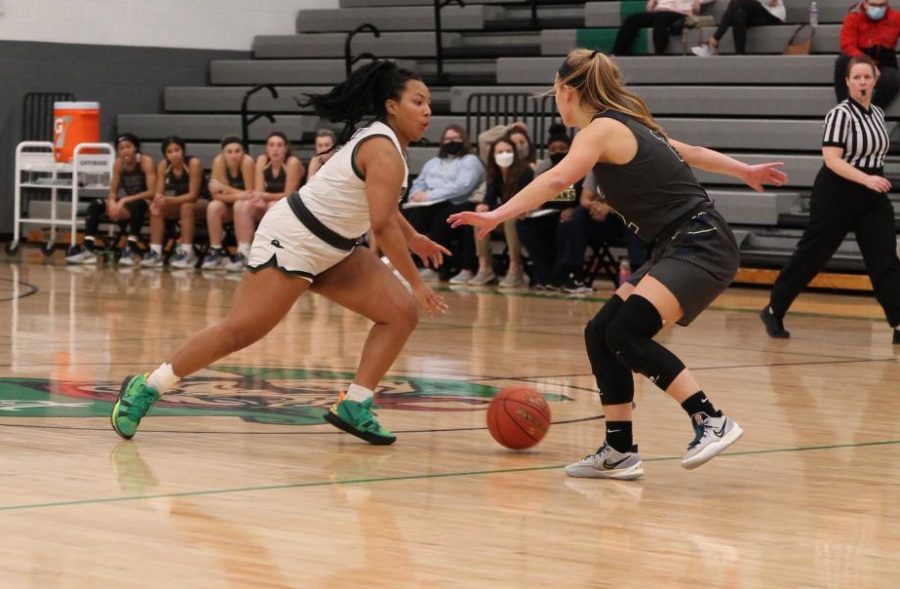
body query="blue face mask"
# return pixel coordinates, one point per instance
(876, 12)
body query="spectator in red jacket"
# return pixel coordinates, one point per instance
(870, 28)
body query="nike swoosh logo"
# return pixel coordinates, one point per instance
(277, 244)
(611, 465)
(721, 432)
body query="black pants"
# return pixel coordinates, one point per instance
(432, 221)
(837, 207)
(660, 22)
(885, 90)
(741, 15)
(97, 208)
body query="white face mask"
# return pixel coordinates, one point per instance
(504, 160)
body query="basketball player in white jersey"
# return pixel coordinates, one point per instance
(308, 242)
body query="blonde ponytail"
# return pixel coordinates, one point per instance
(599, 81)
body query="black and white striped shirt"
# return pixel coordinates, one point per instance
(860, 132)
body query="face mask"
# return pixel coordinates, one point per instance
(454, 147)
(504, 160)
(557, 157)
(523, 151)
(876, 12)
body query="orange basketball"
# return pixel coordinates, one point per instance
(518, 417)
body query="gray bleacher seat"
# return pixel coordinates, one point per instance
(770, 39)
(745, 207)
(402, 18)
(726, 69)
(211, 99)
(406, 44)
(213, 127)
(773, 101)
(283, 71)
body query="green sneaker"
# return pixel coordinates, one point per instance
(357, 419)
(135, 399)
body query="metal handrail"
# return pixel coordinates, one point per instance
(486, 110)
(438, 37)
(349, 60)
(246, 120)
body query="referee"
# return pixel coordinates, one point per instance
(850, 194)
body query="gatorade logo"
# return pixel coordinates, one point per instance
(60, 126)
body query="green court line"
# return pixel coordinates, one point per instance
(443, 475)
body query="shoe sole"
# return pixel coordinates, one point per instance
(344, 426)
(713, 449)
(115, 410)
(631, 473)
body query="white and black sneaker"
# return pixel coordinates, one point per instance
(129, 255)
(184, 259)
(215, 259)
(83, 255)
(236, 265)
(713, 435)
(151, 260)
(608, 463)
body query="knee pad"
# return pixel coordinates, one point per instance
(96, 208)
(630, 337)
(595, 330)
(614, 381)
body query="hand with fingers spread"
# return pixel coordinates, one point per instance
(768, 173)
(432, 302)
(431, 253)
(484, 222)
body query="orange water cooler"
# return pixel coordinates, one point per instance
(74, 123)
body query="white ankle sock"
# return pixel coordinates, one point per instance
(244, 248)
(156, 247)
(358, 393)
(163, 378)
(184, 247)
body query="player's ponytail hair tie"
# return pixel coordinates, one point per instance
(566, 70)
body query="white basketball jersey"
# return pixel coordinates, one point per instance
(336, 195)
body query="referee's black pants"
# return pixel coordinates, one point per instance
(837, 207)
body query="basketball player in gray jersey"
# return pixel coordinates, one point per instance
(646, 178)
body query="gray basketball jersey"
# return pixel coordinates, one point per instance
(655, 190)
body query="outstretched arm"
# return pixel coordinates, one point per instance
(719, 163)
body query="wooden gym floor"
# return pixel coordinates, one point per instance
(233, 482)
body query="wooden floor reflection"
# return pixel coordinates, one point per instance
(234, 481)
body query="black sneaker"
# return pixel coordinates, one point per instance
(574, 286)
(774, 326)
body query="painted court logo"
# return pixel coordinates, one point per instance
(283, 396)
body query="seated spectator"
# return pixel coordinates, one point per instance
(870, 28)
(443, 187)
(741, 15)
(662, 16)
(524, 147)
(231, 180)
(177, 196)
(507, 174)
(555, 243)
(133, 174)
(326, 141)
(278, 174)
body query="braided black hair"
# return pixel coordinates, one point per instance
(363, 93)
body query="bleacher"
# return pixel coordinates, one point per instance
(759, 107)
